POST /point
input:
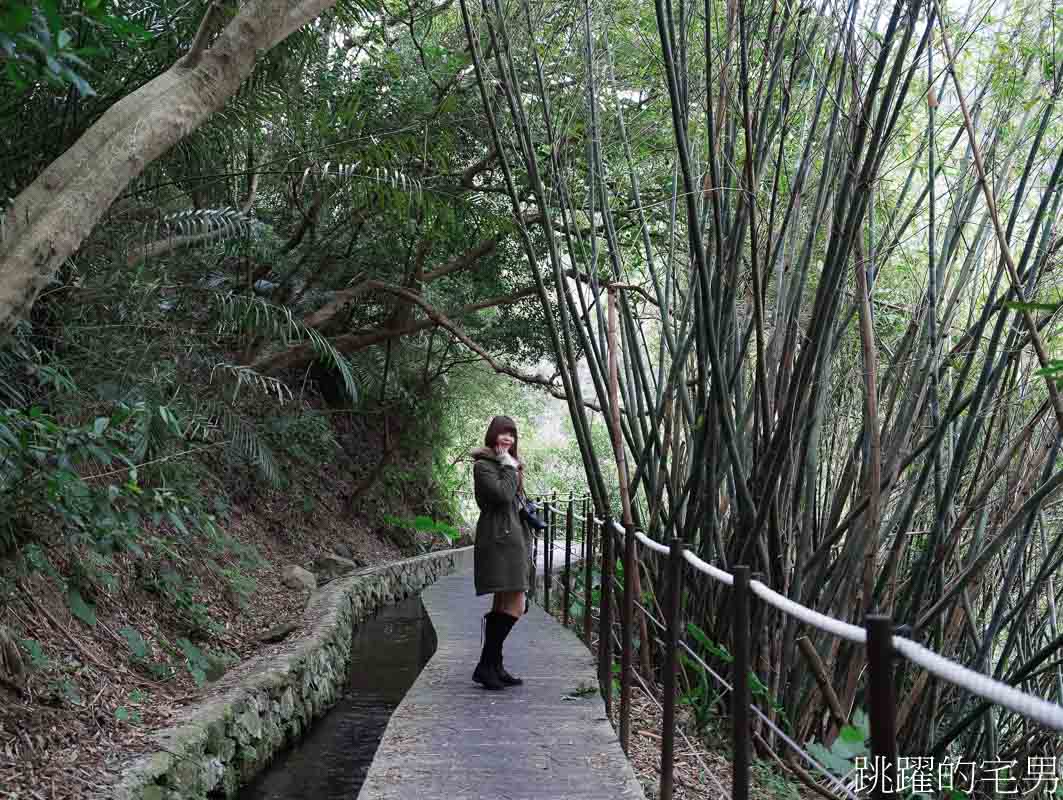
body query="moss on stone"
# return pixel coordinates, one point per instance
(228, 739)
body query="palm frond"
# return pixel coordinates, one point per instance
(242, 439)
(239, 313)
(382, 176)
(246, 376)
(225, 222)
(215, 421)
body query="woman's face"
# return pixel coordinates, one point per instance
(505, 440)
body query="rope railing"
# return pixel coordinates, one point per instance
(1027, 705)
(844, 630)
(878, 637)
(996, 692)
(727, 688)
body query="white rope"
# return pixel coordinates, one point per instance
(1048, 714)
(713, 572)
(727, 686)
(648, 542)
(845, 630)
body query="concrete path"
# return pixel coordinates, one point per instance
(546, 740)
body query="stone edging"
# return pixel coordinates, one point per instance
(233, 731)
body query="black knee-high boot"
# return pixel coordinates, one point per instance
(486, 672)
(505, 624)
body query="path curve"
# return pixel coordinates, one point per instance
(546, 740)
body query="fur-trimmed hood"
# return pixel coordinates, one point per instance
(487, 453)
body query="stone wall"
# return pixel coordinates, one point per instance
(267, 702)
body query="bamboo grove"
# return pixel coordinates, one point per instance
(836, 314)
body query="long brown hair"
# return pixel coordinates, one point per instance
(498, 426)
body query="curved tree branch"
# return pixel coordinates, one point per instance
(51, 217)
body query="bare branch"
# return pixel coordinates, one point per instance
(464, 261)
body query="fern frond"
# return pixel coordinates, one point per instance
(245, 376)
(217, 222)
(244, 440)
(384, 176)
(241, 313)
(240, 437)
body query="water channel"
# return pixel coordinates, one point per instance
(388, 652)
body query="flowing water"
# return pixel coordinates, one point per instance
(331, 761)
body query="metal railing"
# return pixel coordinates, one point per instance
(882, 646)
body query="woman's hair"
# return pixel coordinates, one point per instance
(498, 426)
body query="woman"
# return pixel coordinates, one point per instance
(502, 546)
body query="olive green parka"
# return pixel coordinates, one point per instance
(503, 542)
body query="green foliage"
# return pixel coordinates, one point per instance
(85, 474)
(851, 743)
(38, 660)
(123, 714)
(15, 360)
(138, 648)
(203, 664)
(772, 782)
(182, 594)
(196, 660)
(131, 712)
(705, 694)
(256, 316)
(86, 612)
(707, 645)
(69, 691)
(242, 439)
(224, 222)
(307, 436)
(38, 45)
(426, 526)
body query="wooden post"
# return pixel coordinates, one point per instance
(671, 658)
(588, 573)
(627, 643)
(740, 728)
(568, 560)
(548, 552)
(881, 706)
(605, 619)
